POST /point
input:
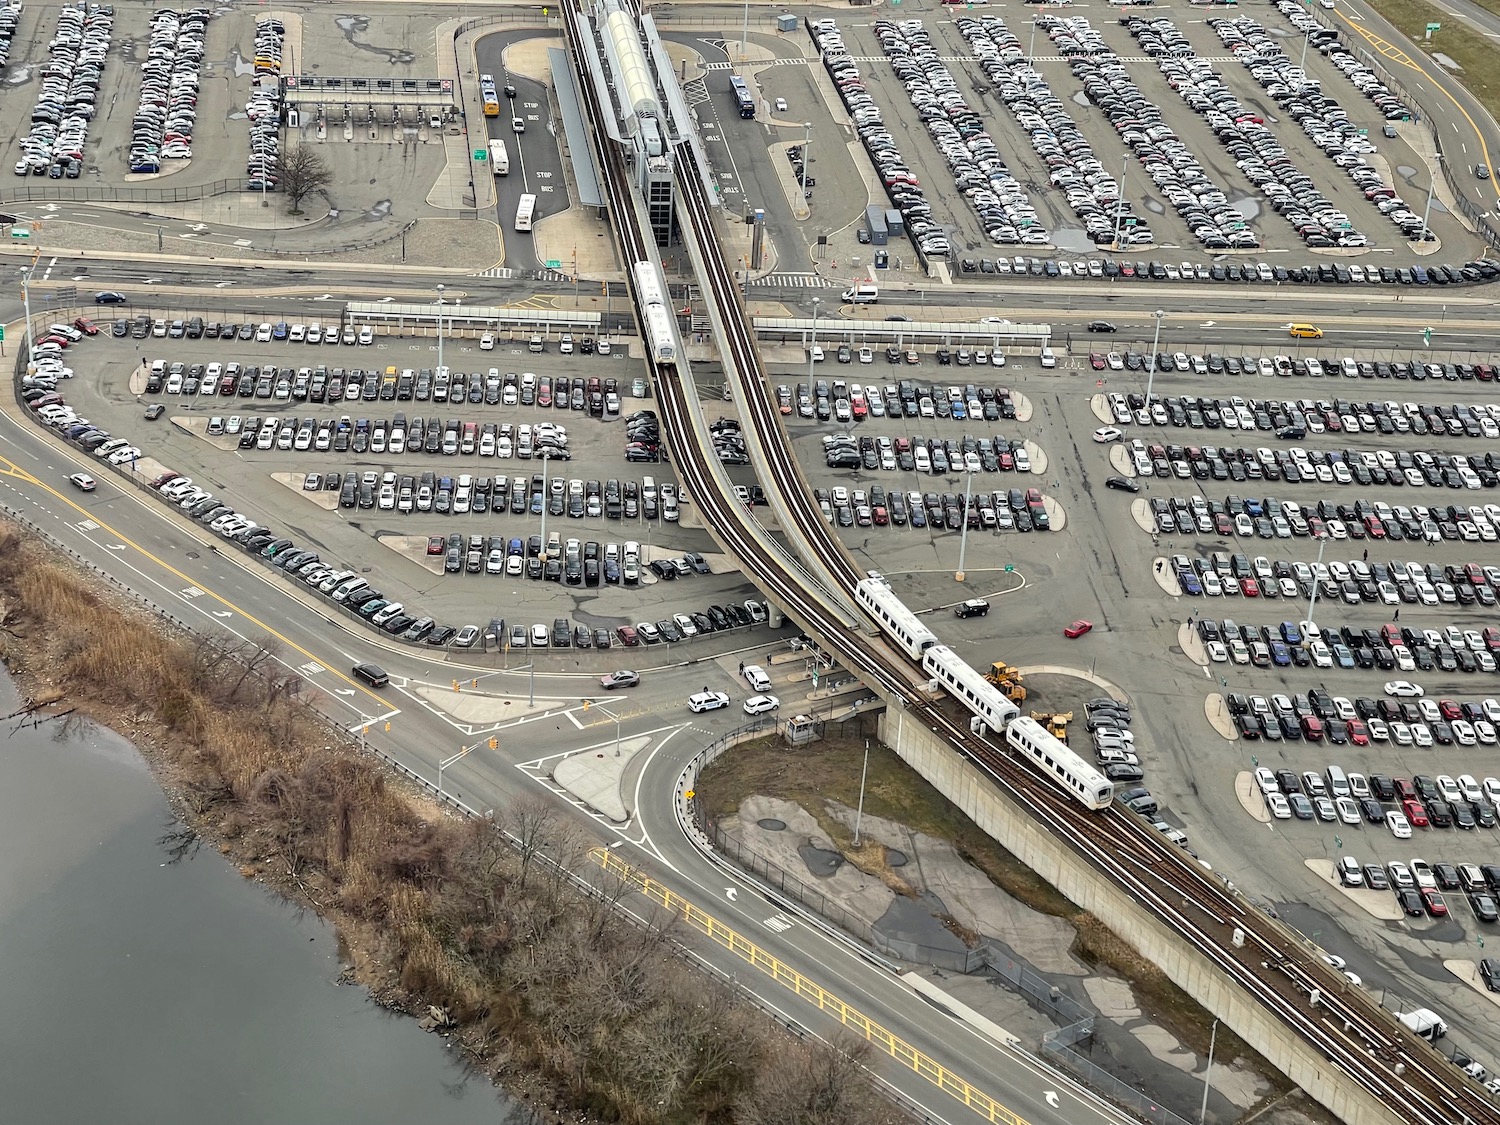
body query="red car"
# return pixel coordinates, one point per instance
(1359, 734)
(86, 326)
(1449, 709)
(1250, 587)
(1096, 361)
(1434, 903)
(1415, 813)
(436, 544)
(1077, 629)
(627, 635)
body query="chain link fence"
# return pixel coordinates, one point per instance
(111, 193)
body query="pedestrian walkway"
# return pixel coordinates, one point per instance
(510, 273)
(793, 281)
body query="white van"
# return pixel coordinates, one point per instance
(863, 293)
(1048, 358)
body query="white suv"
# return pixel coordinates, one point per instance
(707, 701)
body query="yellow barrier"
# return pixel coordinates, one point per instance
(897, 1048)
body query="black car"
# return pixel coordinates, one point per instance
(110, 297)
(1121, 484)
(1102, 326)
(1411, 902)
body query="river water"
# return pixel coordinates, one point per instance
(136, 989)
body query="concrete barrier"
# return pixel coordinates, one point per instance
(1051, 858)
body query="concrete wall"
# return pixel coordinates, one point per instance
(1065, 869)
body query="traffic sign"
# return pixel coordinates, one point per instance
(553, 263)
(1427, 335)
(2, 333)
(1010, 567)
(481, 155)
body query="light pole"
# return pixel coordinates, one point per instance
(806, 150)
(1213, 1036)
(963, 536)
(1427, 210)
(745, 32)
(546, 499)
(1120, 203)
(1031, 46)
(1157, 316)
(440, 325)
(1312, 600)
(612, 715)
(444, 763)
(26, 301)
(859, 814)
(813, 343)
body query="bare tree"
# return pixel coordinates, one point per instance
(811, 1083)
(531, 824)
(303, 172)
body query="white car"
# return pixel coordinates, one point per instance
(1398, 824)
(1216, 651)
(1277, 803)
(1404, 689)
(1266, 780)
(487, 342)
(1108, 433)
(707, 701)
(760, 704)
(366, 336)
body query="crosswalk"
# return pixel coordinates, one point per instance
(793, 61)
(793, 281)
(508, 274)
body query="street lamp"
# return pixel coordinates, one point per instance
(1313, 597)
(859, 815)
(1213, 1036)
(1120, 203)
(613, 716)
(806, 149)
(813, 343)
(440, 326)
(1157, 316)
(26, 300)
(963, 537)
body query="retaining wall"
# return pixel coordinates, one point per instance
(1050, 857)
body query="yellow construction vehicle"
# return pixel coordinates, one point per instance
(1008, 680)
(1056, 722)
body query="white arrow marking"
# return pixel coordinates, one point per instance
(1208, 324)
(731, 894)
(343, 691)
(222, 284)
(1052, 1098)
(117, 546)
(324, 297)
(386, 300)
(222, 613)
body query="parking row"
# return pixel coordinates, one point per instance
(1391, 583)
(53, 145)
(397, 436)
(1015, 509)
(263, 109)
(1004, 210)
(1294, 419)
(901, 184)
(1306, 644)
(10, 18)
(938, 456)
(850, 402)
(1272, 518)
(537, 495)
(1262, 273)
(168, 111)
(1399, 468)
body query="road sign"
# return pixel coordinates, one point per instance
(481, 155)
(1427, 335)
(1010, 567)
(553, 263)
(2, 333)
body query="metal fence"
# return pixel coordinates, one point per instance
(111, 193)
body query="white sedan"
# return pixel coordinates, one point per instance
(1279, 807)
(760, 704)
(1398, 824)
(1404, 689)
(1108, 433)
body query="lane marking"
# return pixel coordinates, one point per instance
(924, 1066)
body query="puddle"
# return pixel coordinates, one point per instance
(819, 862)
(18, 77)
(1081, 98)
(381, 210)
(1250, 208)
(893, 858)
(771, 824)
(241, 66)
(1072, 240)
(1156, 207)
(353, 26)
(912, 919)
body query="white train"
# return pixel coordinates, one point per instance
(1046, 754)
(1051, 756)
(969, 687)
(875, 596)
(657, 321)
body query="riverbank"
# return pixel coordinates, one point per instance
(540, 985)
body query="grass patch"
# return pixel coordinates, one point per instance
(1477, 56)
(829, 771)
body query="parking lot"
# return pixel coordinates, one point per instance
(517, 502)
(1282, 153)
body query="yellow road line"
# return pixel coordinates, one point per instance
(1406, 60)
(809, 990)
(11, 469)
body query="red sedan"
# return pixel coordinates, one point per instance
(1077, 629)
(1434, 903)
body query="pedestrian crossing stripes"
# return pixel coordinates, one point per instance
(793, 281)
(771, 62)
(507, 273)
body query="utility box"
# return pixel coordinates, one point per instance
(894, 223)
(786, 23)
(875, 223)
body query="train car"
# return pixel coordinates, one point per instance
(978, 695)
(875, 596)
(657, 321)
(1051, 756)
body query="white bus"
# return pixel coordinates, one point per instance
(499, 158)
(524, 211)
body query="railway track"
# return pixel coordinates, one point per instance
(1344, 1025)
